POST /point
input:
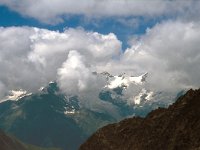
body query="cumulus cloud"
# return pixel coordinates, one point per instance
(30, 57)
(75, 76)
(74, 72)
(54, 12)
(170, 53)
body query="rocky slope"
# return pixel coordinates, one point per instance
(48, 118)
(177, 127)
(7, 143)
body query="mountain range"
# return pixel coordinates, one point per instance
(50, 118)
(8, 142)
(174, 128)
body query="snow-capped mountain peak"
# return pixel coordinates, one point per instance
(123, 80)
(117, 81)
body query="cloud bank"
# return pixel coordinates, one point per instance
(31, 57)
(57, 10)
(170, 53)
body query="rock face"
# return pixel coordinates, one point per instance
(177, 127)
(8, 143)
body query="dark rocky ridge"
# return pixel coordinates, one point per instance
(174, 128)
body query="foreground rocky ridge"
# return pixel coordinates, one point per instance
(177, 127)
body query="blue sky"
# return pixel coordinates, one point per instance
(104, 25)
(151, 34)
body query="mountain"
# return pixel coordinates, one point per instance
(8, 142)
(49, 118)
(176, 127)
(123, 80)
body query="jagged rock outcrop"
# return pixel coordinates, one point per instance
(174, 128)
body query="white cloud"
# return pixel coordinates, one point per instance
(30, 57)
(170, 53)
(2, 89)
(75, 75)
(53, 12)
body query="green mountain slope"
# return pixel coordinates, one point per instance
(42, 119)
(8, 142)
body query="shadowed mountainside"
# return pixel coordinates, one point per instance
(49, 118)
(177, 127)
(8, 142)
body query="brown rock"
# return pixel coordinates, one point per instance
(174, 128)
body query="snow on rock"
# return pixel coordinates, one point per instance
(144, 95)
(15, 95)
(125, 81)
(69, 110)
